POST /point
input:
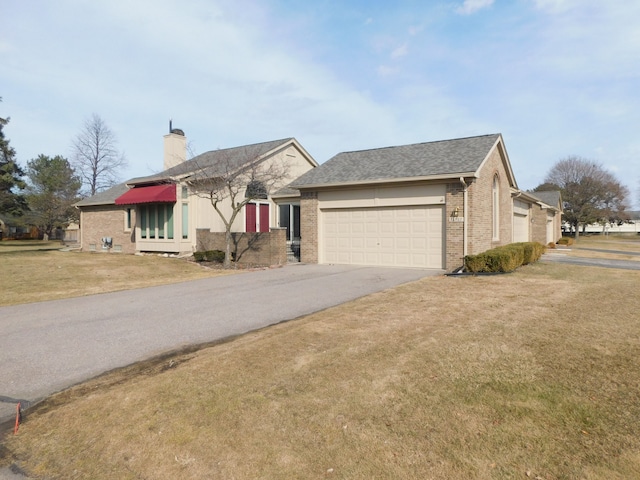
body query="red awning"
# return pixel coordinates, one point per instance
(152, 194)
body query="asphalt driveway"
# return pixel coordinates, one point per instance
(46, 347)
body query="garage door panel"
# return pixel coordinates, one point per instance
(391, 236)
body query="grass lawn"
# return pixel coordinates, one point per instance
(534, 374)
(34, 271)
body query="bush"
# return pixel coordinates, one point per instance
(504, 259)
(209, 256)
(566, 241)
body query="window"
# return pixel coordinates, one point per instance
(185, 220)
(257, 217)
(495, 213)
(156, 221)
(127, 219)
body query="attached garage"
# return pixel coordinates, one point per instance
(520, 221)
(407, 236)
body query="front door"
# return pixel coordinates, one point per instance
(290, 219)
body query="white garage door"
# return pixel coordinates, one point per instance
(390, 236)
(520, 228)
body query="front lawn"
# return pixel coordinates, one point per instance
(535, 374)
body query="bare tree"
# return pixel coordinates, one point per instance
(589, 192)
(232, 178)
(96, 157)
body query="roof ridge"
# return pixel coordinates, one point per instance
(283, 140)
(421, 143)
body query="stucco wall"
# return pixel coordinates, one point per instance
(106, 221)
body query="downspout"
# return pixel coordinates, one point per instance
(464, 216)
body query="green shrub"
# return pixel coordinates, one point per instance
(504, 259)
(209, 256)
(214, 256)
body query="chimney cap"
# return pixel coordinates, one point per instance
(177, 131)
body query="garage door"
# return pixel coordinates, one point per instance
(520, 228)
(391, 236)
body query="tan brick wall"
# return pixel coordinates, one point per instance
(106, 221)
(454, 230)
(261, 248)
(480, 223)
(539, 224)
(309, 227)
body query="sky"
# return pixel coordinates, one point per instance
(554, 77)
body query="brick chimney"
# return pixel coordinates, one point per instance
(175, 147)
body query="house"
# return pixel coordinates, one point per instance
(166, 212)
(424, 205)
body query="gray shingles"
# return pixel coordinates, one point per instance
(417, 160)
(106, 197)
(209, 160)
(550, 197)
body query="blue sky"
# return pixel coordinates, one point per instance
(555, 77)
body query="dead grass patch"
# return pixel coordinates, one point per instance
(534, 373)
(35, 273)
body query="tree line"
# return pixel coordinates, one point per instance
(43, 193)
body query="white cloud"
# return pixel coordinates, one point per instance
(555, 6)
(472, 6)
(400, 51)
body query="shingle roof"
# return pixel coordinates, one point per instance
(208, 161)
(550, 197)
(446, 157)
(106, 197)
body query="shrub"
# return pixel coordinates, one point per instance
(566, 241)
(209, 256)
(215, 256)
(504, 259)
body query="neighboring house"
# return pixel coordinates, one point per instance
(632, 225)
(424, 205)
(161, 212)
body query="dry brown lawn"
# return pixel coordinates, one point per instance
(529, 375)
(34, 271)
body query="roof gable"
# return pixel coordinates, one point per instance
(441, 159)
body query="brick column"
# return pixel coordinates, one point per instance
(309, 227)
(454, 227)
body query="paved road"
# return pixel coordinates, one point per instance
(46, 347)
(592, 262)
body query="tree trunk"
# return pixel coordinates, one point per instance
(577, 231)
(227, 252)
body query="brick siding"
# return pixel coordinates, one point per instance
(259, 248)
(309, 227)
(480, 196)
(106, 221)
